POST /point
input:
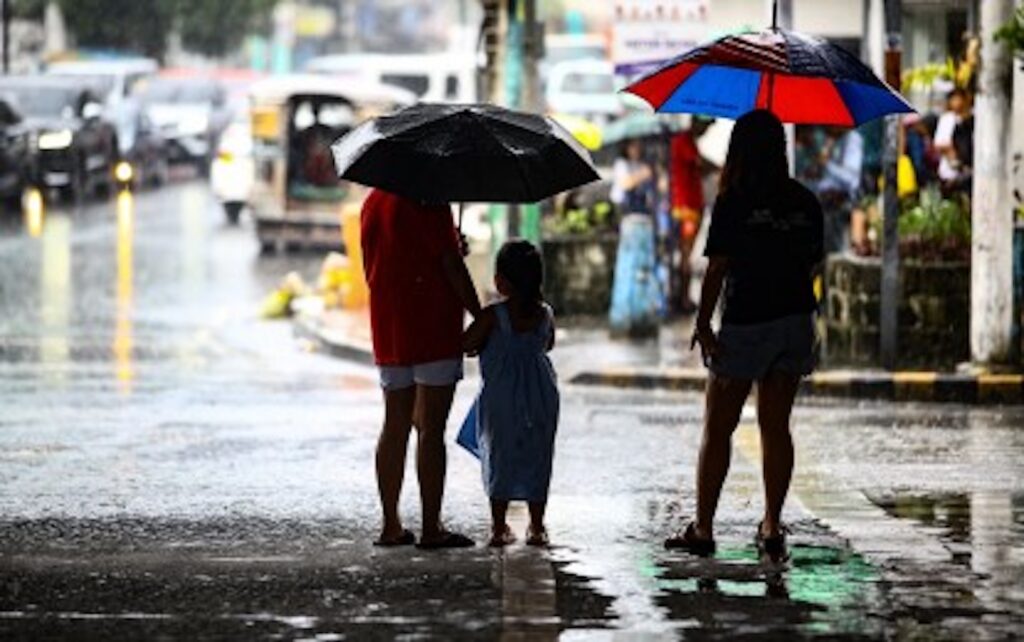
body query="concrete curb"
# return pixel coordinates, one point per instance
(935, 387)
(984, 389)
(333, 343)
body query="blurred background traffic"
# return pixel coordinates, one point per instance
(246, 96)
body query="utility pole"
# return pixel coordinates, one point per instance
(5, 14)
(991, 212)
(492, 40)
(890, 294)
(532, 48)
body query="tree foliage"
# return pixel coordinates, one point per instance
(1012, 33)
(211, 27)
(217, 28)
(130, 25)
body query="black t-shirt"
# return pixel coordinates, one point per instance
(772, 247)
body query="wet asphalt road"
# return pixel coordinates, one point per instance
(172, 467)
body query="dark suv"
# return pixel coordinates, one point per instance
(15, 154)
(76, 149)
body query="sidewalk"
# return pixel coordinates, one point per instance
(585, 355)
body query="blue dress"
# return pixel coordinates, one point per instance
(515, 417)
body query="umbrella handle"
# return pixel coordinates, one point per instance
(461, 206)
(775, 15)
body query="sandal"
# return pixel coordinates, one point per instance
(689, 542)
(500, 540)
(406, 538)
(447, 540)
(774, 548)
(537, 538)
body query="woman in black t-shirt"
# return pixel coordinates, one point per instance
(764, 246)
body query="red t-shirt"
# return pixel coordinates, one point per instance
(687, 189)
(415, 314)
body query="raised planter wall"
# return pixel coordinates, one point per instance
(578, 273)
(934, 314)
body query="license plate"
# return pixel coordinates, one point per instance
(57, 179)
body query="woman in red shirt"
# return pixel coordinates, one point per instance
(419, 290)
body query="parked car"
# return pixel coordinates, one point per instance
(144, 152)
(15, 154)
(76, 149)
(113, 80)
(232, 172)
(191, 113)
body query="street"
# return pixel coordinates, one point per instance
(172, 466)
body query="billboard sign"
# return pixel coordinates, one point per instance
(647, 33)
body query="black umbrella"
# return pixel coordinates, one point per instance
(464, 153)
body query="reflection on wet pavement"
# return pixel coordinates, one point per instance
(172, 466)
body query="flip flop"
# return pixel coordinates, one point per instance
(537, 538)
(774, 548)
(689, 542)
(405, 539)
(505, 539)
(448, 540)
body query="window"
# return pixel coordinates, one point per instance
(416, 83)
(583, 83)
(451, 87)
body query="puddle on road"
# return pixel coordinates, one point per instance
(825, 591)
(577, 604)
(983, 531)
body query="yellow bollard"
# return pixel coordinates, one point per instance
(357, 293)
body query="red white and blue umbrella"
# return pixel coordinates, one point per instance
(799, 78)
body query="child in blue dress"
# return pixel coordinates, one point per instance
(517, 410)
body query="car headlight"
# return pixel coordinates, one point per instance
(124, 172)
(56, 140)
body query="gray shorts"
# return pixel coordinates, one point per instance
(788, 345)
(435, 373)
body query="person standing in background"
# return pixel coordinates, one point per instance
(632, 181)
(954, 170)
(687, 198)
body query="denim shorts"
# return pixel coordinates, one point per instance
(750, 351)
(435, 373)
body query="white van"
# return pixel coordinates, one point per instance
(441, 77)
(116, 78)
(586, 88)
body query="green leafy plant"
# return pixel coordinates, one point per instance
(582, 220)
(935, 228)
(1012, 33)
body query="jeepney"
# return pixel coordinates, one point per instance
(297, 200)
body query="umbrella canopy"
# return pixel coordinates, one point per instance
(799, 78)
(640, 125)
(464, 153)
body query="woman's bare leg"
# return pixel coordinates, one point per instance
(433, 405)
(391, 450)
(775, 396)
(724, 401)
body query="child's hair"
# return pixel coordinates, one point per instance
(520, 264)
